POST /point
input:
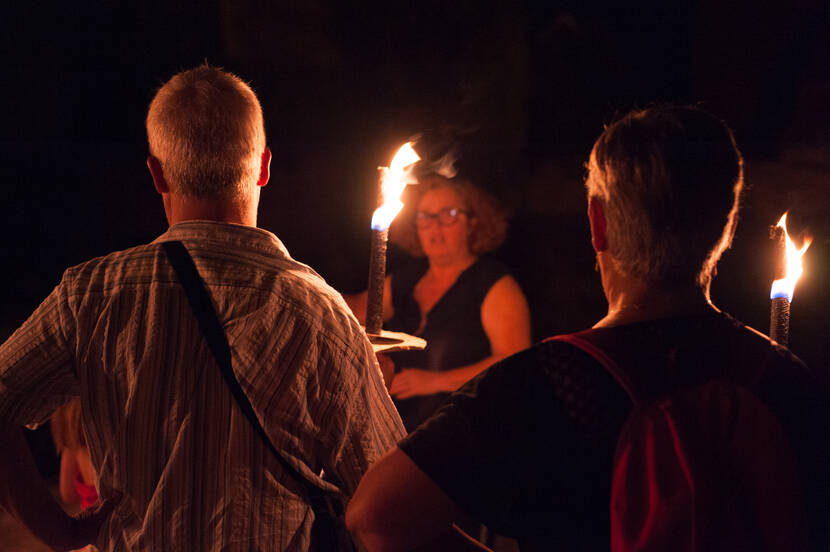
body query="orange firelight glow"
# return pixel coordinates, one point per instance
(394, 179)
(785, 286)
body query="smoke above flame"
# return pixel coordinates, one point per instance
(786, 285)
(445, 166)
(394, 179)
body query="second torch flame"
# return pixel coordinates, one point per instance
(786, 285)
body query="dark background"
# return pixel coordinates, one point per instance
(521, 88)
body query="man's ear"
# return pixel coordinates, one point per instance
(157, 174)
(265, 168)
(599, 227)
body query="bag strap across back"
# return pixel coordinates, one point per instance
(200, 302)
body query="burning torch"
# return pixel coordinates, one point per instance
(393, 180)
(788, 271)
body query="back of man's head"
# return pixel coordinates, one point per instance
(205, 127)
(670, 179)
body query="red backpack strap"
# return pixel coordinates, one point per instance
(703, 468)
(579, 341)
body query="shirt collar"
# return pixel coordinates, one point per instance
(238, 235)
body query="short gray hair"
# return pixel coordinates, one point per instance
(670, 179)
(205, 127)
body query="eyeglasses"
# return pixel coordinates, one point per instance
(445, 217)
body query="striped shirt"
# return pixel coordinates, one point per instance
(161, 423)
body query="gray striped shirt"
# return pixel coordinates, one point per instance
(161, 424)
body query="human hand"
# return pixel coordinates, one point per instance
(413, 382)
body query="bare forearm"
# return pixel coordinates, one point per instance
(455, 378)
(412, 382)
(69, 494)
(397, 507)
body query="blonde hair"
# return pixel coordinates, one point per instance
(206, 129)
(670, 180)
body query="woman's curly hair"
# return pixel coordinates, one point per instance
(488, 221)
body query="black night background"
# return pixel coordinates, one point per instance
(521, 88)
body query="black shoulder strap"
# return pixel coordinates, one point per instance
(200, 302)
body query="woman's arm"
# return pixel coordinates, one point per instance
(358, 301)
(505, 317)
(26, 497)
(69, 467)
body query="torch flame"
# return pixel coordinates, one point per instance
(786, 285)
(394, 179)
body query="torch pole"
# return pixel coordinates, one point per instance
(779, 320)
(377, 275)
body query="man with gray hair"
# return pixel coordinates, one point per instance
(179, 465)
(528, 447)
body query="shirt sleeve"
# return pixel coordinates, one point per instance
(366, 424)
(37, 371)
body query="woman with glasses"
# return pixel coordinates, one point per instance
(465, 304)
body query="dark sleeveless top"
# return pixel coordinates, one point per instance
(453, 330)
